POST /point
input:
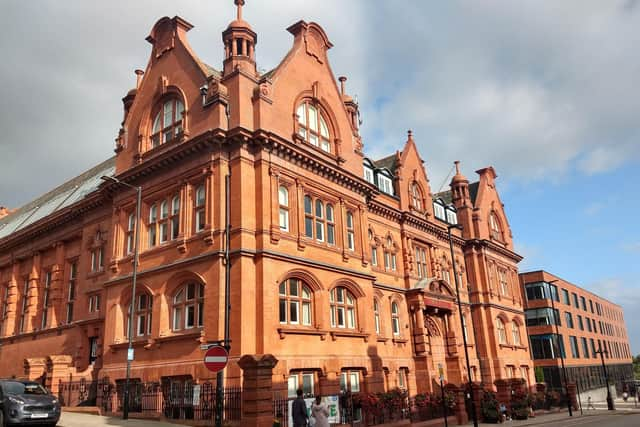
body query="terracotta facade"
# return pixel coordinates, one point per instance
(346, 280)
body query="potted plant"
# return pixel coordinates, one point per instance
(489, 408)
(520, 405)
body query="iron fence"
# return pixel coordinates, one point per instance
(78, 393)
(183, 400)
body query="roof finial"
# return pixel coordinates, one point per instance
(410, 135)
(457, 163)
(239, 4)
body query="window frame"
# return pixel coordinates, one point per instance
(191, 301)
(140, 312)
(283, 208)
(501, 331)
(343, 308)
(323, 141)
(160, 129)
(199, 208)
(298, 303)
(395, 319)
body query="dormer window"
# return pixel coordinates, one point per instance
(452, 217)
(368, 175)
(312, 126)
(439, 211)
(385, 184)
(167, 123)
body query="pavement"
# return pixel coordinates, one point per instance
(599, 417)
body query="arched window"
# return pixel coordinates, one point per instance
(331, 227)
(416, 196)
(188, 307)
(376, 315)
(343, 308)
(295, 302)
(283, 202)
(351, 241)
(167, 123)
(141, 315)
(502, 333)
(175, 217)
(464, 328)
(199, 210)
(164, 221)
(389, 255)
(153, 223)
(131, 223)
(494, 225)
(319, 221)
(374, 249)
(515, 333)
(312, 126)
(395, 318)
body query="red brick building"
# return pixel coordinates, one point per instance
(566, 320)
(340, 264)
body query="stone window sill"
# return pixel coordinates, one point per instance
(284, 331)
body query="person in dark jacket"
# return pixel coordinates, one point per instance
(299, 411)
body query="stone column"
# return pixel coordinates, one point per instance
(9, 324)
(257, 394)
(460, 409)
(503, 394)
(35, 368)
(59, 368)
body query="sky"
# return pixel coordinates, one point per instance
(546, 92)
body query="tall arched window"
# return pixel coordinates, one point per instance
(376, 315)
(283, 213)
(164, 221)
(502, 333)
(343, 308)
(351, 241)
(494, 225)
(319, 220)
(295, 302)
(175, 217)
(416, 196)
(201, 198)
(515, 333)
(395, 318)
(188, 307)
(312, 126)
(141, 315)
(153, 224)
(167, 123)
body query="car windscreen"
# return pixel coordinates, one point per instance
(17, 387)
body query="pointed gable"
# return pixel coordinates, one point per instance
(173, 76)
(305, 103)
(413, 184)
(492, 223)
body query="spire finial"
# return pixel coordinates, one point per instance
(457, 163)
(239, 4)
(410, 135)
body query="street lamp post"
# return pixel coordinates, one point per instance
(560, 347)
(606, 376)
(464, 336)
(125, 406)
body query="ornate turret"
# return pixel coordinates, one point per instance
(460, 189)
(239, 44)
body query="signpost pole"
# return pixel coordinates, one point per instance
(444, 403)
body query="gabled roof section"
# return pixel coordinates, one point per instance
(447, 197)
(59, 198)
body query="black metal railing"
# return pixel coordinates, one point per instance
(78, 393)
(182, 400)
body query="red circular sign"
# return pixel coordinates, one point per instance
(215, 359)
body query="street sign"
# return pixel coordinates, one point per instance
(129, 354)
(215, 359)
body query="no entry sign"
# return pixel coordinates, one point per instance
(215, 359)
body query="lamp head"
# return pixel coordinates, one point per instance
(456, 226)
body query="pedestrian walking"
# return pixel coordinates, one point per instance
(320, 413)
(299, 411)
(590, 403)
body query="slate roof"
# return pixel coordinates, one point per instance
(388, 162)
(447, 197)
(57, 199)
